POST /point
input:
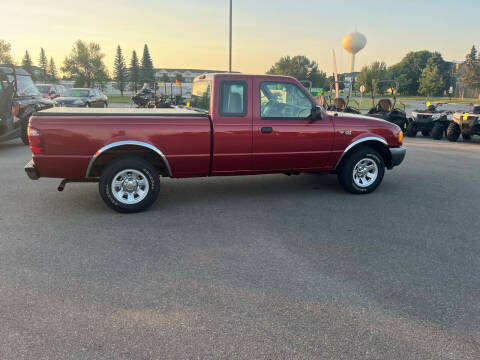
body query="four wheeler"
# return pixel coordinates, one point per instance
(386, 110)
(338, 104)
(430, 122)
(19, 98)
(467, 124)
(148, 98)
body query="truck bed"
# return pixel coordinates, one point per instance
(73, 136)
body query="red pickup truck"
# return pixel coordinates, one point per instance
(234, 124)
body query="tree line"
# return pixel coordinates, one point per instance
(86, 67)
(419, 72)
(425, 73)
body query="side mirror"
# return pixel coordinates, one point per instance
(317, 113)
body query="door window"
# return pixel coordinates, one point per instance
(280, 100)
(233, 98)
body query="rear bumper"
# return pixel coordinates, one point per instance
(397, 155)
(31, 170)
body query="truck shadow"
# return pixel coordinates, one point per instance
(228, 191)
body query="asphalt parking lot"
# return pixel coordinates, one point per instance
(265, 267)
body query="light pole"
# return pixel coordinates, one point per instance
(230, 42)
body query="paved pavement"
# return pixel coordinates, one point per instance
(265, 267)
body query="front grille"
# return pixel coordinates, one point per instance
(424, 118)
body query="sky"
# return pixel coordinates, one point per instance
(194, 33)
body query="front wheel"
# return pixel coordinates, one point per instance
(129, 185)
(24, 130)
(453, 131)
(437, 132)
(411, 129)
(362, 171)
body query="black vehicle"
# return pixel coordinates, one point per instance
(385, 109)
(148, 98)
(430, 122)
(339, 104)
(19, 99)
(83, 97)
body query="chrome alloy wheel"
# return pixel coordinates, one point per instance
(130, 186)
(365, 172)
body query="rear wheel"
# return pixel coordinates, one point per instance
(129, 185)
(425, 133)
(453, 131)
(437, 132)
(411, 129)
(362, 171)
(466, 137)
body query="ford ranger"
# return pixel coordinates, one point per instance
(234, 124)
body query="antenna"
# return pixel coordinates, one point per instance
(335, 73)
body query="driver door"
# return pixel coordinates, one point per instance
(285, 137)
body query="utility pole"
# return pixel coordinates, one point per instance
(230, 42)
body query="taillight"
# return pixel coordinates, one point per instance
(35, 140)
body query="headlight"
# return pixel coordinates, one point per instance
(400, 137)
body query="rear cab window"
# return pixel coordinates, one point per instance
(233, 98)
(201, 95)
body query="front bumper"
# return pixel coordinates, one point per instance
(397, 154)
(31, 171)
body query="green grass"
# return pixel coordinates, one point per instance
(119, 99)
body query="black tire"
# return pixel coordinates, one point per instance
(346, 170)
(437, 132)
(411, 129)
(147, 171)
(24, 131)
(466, 137)
(453, 132)
(426, 133)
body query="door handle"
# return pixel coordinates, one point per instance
(266, 130)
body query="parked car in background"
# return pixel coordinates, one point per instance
(51, 91)
(83, 97)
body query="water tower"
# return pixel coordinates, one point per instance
(353, 43)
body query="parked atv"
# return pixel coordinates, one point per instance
(19, 99)
(467, 124)
(385, 108)
(148, 98)
(430, 122)
(338, 104)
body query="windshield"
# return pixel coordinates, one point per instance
(25, 85)
(43, 89)
(76, 93)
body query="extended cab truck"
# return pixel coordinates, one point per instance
(234, 124)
